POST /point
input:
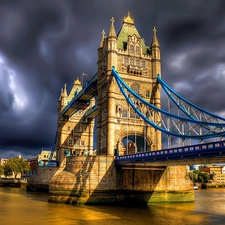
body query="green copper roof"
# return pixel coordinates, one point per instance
(129, 30)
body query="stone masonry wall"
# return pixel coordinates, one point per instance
(40, 181)
(96, 180)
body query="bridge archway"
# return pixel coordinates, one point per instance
(132, 142)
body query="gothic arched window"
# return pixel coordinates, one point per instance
(131, 49)
(131, 61)
(137, 62)
(125, 60)
(136, 87)
(137, 50)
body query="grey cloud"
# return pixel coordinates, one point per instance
(48, 43)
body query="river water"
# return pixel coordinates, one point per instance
(21, 208)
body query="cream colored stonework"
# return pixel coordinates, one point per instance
(74, 134)
(138, 66)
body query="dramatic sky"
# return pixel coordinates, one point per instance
(46, 43)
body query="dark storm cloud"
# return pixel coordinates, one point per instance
(46, 43)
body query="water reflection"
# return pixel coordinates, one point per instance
(19, 207)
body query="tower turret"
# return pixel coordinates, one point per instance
(112, 32)
(63, 98)
(101, 61)
(156, 70)
(102, 40)
(155, 49)
(112, 47)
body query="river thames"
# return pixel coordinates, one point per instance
(19, 207)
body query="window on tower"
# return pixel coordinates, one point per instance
(131, 61)
(137, 50)
(136, 88)
(124, 113)
(131, 49)
(132, 114)
(70, 141)
(125, 60)
(147, 93)
(77, 127)
(137, 62)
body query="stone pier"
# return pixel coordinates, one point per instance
(96, 180)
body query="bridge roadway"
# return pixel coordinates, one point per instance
(207, 153)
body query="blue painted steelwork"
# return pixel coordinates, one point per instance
(92, 112)
(179, 153)
(82, 99)
(151, 112)
(172, 94)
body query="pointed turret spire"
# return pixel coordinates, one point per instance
(112, 32)
(155, 41)
(61, 93)
(65, 91)
(102, 40)
(63, 98)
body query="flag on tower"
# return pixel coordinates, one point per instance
(83, 74)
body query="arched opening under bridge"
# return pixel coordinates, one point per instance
(132, 144)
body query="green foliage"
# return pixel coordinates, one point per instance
(205, 176)
(193, 176)
(17, 166)
(198, 176)
(1, 170)
(7, 170)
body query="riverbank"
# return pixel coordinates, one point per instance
(209, 185)
(10, 182)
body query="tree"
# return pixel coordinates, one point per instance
(17, 166)
(1, 170)
(193, 176)
(198, 176)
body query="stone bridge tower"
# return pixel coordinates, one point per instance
(74, 133)
(119, 128)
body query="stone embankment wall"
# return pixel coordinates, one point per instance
(10, 182)
(40, 181)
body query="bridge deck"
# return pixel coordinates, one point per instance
(195, 154)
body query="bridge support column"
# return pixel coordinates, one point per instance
(174, 186)
(161, 184)
(97, 180)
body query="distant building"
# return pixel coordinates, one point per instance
(3, 161)
(219, 178)
(33, 165)
(44, 158)
(223, 170)
(212, 169)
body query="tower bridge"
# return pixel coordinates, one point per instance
(122, 102)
